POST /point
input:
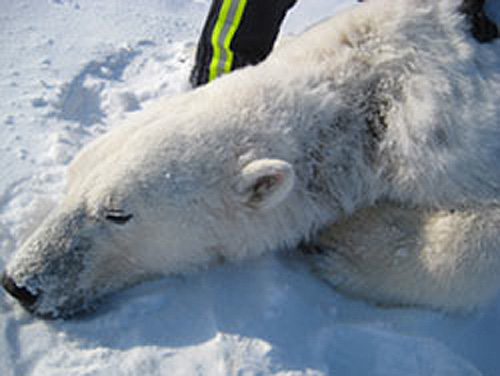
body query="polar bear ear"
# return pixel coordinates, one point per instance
(264, 183)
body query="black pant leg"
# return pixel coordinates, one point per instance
(251, 36)
(258, 30)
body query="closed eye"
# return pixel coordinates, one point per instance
(117, 216)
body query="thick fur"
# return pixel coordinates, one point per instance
(388, 102)
(447, 260)
(425, 249)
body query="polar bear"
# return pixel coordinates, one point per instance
(373, 140)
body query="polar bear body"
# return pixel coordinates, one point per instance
(394, 256)
(388, 102)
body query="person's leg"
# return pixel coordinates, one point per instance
(481, 27)
(237, 33)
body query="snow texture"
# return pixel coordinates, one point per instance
(72, 69)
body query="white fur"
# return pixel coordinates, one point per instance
(398, 256)
(388, 101)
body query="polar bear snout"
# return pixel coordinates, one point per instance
(51, 274)
(24, 296)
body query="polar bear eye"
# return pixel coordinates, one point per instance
(117, 216)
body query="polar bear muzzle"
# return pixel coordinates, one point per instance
(22, 294)
(49, 274)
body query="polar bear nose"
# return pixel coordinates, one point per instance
(25, 297)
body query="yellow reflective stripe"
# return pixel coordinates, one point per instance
(221, 43)
(215, 39)
(230, 34)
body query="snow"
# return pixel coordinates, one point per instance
(72, 69)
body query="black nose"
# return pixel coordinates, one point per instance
(25, 297)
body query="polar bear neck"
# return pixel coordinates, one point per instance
(416, 96)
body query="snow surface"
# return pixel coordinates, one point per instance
(69, 71)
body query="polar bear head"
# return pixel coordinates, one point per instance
(161, 195)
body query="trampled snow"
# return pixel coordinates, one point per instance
(72, 69)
